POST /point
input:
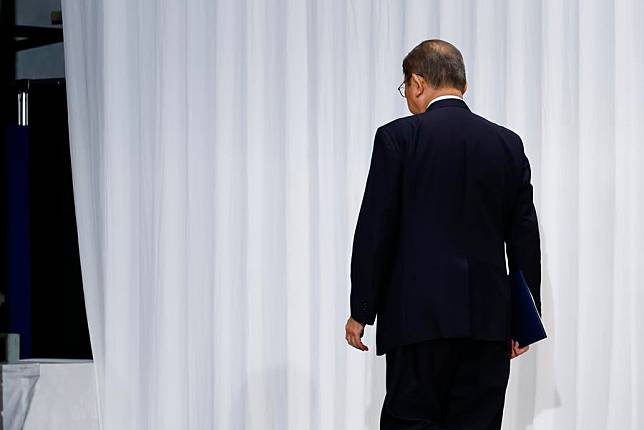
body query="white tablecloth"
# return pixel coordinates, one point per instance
(43, 394)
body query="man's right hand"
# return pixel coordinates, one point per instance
(516, 351)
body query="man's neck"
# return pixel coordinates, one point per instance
(445, 95)
(446, 91)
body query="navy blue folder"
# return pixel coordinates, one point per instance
(527, 326)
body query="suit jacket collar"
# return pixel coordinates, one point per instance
(447, 103)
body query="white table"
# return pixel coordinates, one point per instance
(49, 394)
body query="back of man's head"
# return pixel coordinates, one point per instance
(439, 62)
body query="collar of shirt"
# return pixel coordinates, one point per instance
(447, 96)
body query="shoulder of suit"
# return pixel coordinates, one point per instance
(399, 128)
(505, 133)
(509, 133)
(403, 128)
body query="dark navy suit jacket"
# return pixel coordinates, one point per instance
(446, 190)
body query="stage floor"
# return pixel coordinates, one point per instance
(49, 394)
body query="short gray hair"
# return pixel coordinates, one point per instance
(438, 61)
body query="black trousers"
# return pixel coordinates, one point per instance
(446, 384)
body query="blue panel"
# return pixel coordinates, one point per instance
(18, 300)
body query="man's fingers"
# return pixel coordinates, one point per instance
(521, 350)
(358, 343)
(361, 345)
(354, 340)
(353, 334)
(516, 350)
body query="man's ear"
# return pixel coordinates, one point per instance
(417, 86)
(465, 88)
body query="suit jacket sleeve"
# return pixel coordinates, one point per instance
(376, 231)
(522, 234)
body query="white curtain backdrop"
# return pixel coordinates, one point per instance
(220, 151)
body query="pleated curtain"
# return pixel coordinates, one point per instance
(219, 154)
